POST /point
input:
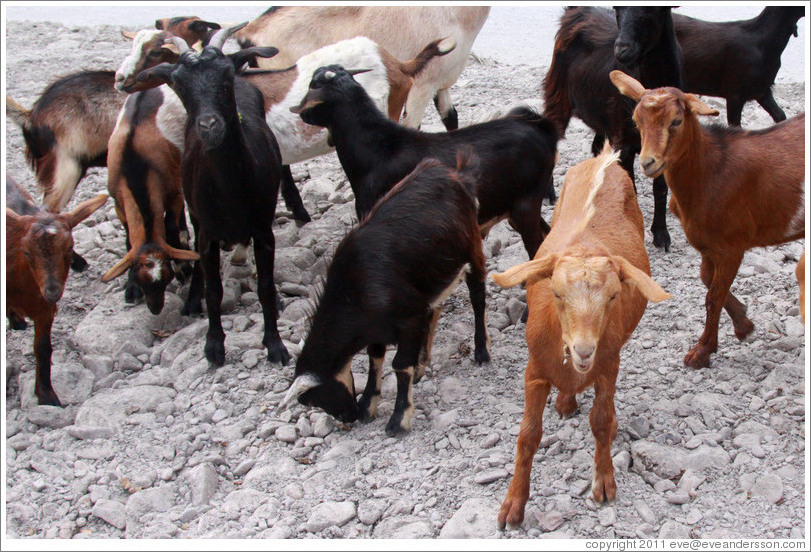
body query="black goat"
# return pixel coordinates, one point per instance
(231, 167)
(516, 153)
(590, 43)
(737, 60)
(386, 283)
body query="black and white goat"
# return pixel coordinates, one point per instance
(385, 285)
(231, 168)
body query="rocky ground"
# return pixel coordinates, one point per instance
(155, 443)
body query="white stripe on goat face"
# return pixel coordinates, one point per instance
(154, 273)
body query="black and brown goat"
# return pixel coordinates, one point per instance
(386, 283)
(590, 43)
(516, 153)
(38, 256)
(737, 60)
(231, 168)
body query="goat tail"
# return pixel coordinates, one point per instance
(437, 48)
(16, 112)
(468, 165)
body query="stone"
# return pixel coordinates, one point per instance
(323, 426)
(203, 481)
(515, 309)
(294, 264)
(142, 503)
(370, 511)
(51, 416)
(668, 462)
(490, 441)
(111, 512)
(242, 503)
(550, 521)
(181, 341)
(443, 421)
(330, 513)
(126, 362)
(674, 530)
(476, 518)
(90, 432)
(286, 433)
(645, 511)
(769, 486)
(100, 365)
(110, 407)
(488, 476)
(607, 516)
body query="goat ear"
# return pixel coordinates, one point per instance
(162, 73)
(241, 57)
(200, 26)
(645, 284)
(301, 385)
(698, 107)
(12, 217)
(159, 24)
(84, 210)
(539, 268)
(171, 48)
(120, 267)
(181, 254)
(306, 104)
(129, 35)
(627, 85)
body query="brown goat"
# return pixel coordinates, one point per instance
(587, 289)
(731, 189)
(38, 255)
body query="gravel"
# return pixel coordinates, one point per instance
(155, 443)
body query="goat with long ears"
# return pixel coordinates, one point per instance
(731, 189)
(38, 255)
(587, 289)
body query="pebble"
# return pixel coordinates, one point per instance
(490, 441)
(112, 512)
(674, 530)
(607, 516)
(330, 513)
(645, 511)
(769, 486)
(370, 511)
(286, 433)
(474, 519)
(488, 476)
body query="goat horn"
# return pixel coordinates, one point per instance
(301, 385)
(219, 38)
(354, 72)
(181, 45)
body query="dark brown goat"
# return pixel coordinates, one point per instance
(38, 255)
(737, 60)
(716, 176)
(589, 45)
(386, 284)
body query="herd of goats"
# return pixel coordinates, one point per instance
(217, 133)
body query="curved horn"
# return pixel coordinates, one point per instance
(301, 385)
(219, 38)
(180, 254)
(354, 72)
(179, 43)
(120, 267)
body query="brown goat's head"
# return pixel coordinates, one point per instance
(148, 50)
(585, 289)
(665, 118)
(47, 243)
(152, 270)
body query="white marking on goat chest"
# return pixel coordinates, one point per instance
(171, 117)
(797, 223)
(448, 290)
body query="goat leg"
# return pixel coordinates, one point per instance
(425, 352)
(408, 352)
(603, 420)
(18, 322)
(481, 338)
(734, 110)
(445, 108)
(723, 276)
(367, 404)
(733, 306)
(215, 338)
(263, 250)
(292, 199)
(194, 301)
(661, 237)
(42, 350)
(767, 102)
(529, 437)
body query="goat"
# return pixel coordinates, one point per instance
(67, 129)
(588, 45)
(402, 30)
(517, 153)
(144, 177)
(716, 175)
(800, 273)
(38, 256)
(737, 60)
(386, 283)
(587, 289)
(231, 167)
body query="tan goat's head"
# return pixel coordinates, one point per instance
(663, 116)
(586, 289)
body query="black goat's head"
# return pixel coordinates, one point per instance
(639, 29)
(329, 85)
(330, 394)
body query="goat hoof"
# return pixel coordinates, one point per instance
(525, 316)
(697, 358)
(192, 308)
(367, 409)
(215, 352)
(48, 397)
(77, 263)
(511, 513)
(604, 489)
(17, 322)
(301, 217)
(277, 353)
(661, 239)
(395, 430)
(482, 357)
(744, 329)
(419, 373)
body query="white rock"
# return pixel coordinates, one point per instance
(370, 511)
(203, 481)
(488, 476)
(51, 416)
(327, 514)
(770, 487)
(674, 530)
(476, 518)
(607, 516)
(286, 433)
(112, 512)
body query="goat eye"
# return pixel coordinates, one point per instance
(675, 123)
(613, 297)
(154, 53)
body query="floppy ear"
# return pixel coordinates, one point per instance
(161, 73)
(84, 210)
(120, 267)
(241, 57)
(181, 254)
(629, 274)
(698, 107)
(540, 268)
(313, 98)
(627, 85)
(129, 35)
(201, 27)
(12, 217)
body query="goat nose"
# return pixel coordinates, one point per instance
(647, 163)
(207, 123)
(583, 351)
(622, 51)
(52, 292)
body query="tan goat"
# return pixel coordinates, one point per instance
(587, 290)
(732, 190)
